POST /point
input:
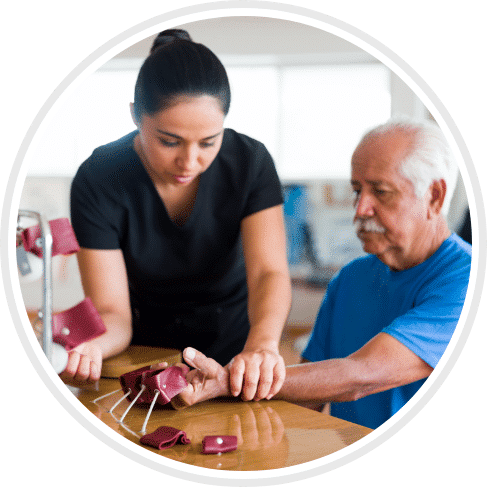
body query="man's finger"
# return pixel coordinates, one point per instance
(159, 366)
(207, 366)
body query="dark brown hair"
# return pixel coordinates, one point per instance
(177, 66)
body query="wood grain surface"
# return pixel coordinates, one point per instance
(136, 357)
(271, 434)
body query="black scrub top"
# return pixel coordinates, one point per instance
(187, 282)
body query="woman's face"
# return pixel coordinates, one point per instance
(180, 142)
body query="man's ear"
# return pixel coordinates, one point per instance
(132, 113)
(437, 197)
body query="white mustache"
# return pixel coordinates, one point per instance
(368, 225)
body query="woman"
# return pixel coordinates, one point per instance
(181, 229)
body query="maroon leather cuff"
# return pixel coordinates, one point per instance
(165, 437)
(77, 325)
(132, 382)
(63, 238)
(219, 444)
(169, 382)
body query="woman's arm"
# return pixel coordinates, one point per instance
(105, 281)
(258, 372)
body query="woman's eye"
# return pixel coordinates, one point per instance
(204, 145)
(168, 143)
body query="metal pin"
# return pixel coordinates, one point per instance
(132, 403)
(143, 431)
(119, 401)
(106, 395)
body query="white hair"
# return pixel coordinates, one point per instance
(430, 158)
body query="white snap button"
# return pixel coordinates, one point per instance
(65, 331)
(219, 441)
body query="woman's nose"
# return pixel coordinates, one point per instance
(188, 158)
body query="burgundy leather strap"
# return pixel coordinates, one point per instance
(169, 382)
(165, 437)
(132, 382)
(63, 238)
(77, 325)
(219, 444)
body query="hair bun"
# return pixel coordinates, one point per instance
(167, 36)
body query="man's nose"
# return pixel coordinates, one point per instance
(364, 206)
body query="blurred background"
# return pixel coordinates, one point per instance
(307, 94)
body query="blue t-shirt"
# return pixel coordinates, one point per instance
(419, 306)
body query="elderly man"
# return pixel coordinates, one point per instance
(386, 318)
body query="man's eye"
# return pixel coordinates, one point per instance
(204, 145)
(356, 196)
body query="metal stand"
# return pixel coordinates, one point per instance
(46, 311)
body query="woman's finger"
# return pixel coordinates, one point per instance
(237, 371)
(251, 379)
(279, 377)
(72, 365)
(266, 378)
(84, 368)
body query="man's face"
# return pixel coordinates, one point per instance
(391, 221)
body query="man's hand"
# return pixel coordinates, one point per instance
(256, 374)
(84, 365)
(207, 380)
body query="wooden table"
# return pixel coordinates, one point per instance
(271, 434)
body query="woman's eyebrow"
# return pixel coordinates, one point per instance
(163, 132)
(213, 136)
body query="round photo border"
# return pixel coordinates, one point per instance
(289, 474)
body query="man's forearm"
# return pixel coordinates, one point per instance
(320, 382)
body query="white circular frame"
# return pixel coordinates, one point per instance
(352, 452)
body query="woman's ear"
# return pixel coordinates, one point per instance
(132, 113)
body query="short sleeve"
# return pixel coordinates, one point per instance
(92, 217)
(427, 328)
(265, 191)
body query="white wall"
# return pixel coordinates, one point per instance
(235, 40)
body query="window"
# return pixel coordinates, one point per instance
(325, 111)
(309, 117)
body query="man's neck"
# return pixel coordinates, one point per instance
(424, 247)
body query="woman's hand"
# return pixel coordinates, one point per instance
(256, 374)
(84, 365)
